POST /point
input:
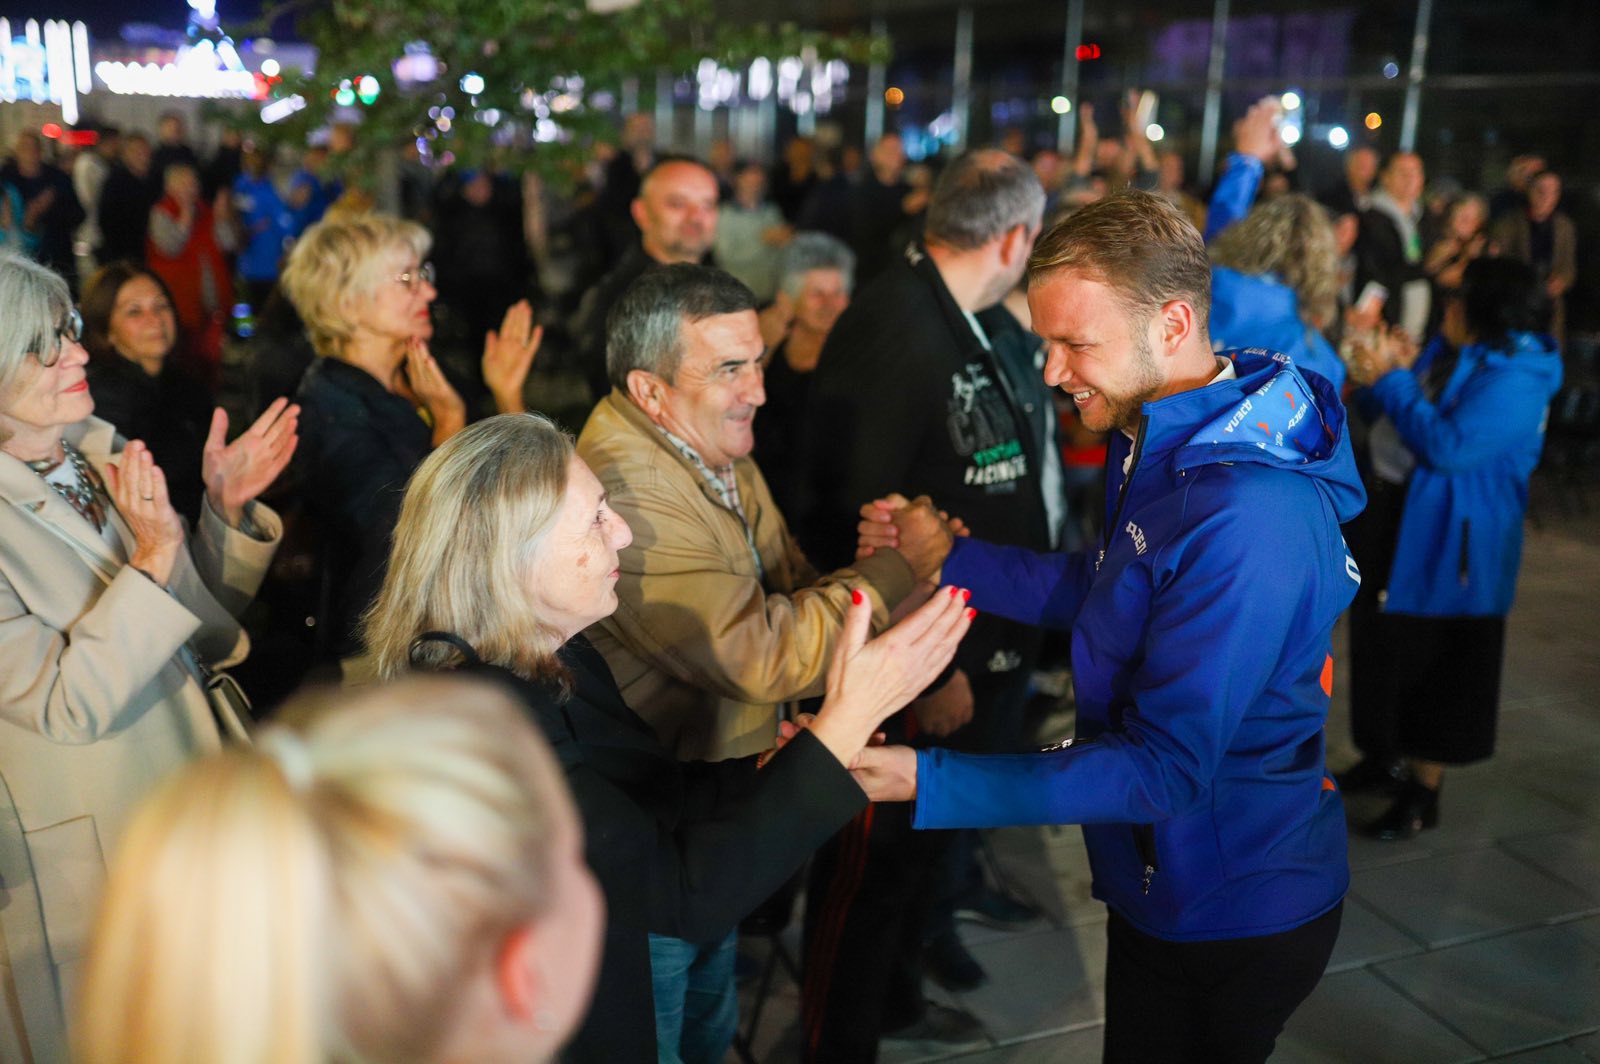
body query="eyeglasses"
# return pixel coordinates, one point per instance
(70, 330)
(422, 275)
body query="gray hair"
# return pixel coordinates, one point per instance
(645, 328)
(814, 251)
(33, 301)
(981, 196)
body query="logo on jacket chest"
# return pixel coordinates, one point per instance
(982, 429)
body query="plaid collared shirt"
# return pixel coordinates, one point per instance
(726, 485)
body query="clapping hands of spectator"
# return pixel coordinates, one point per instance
(1380, 352)
(237, 472)
(139, 490)
(774, 319)
(508, 355)
(921, 533)
(870, 679)
(431, 388)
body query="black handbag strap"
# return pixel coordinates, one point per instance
(468, 655)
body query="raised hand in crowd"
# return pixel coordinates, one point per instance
(1138, 111)
(1257, 133)
(236, 473)
(139, 490)
(1088, 140)
(508, 354)
(870, 679)
(432, 389)
(921, 533)
(775, 319)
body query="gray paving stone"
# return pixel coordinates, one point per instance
(1570, 856)
(1042, 983)
(1365, 937)
(1560, 1053)
(1451, 898)
(1355, 1016)
(1509, 992)
(1588, 1045)
(1074, 1047)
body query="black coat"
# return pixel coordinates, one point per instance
(359, 444)
(170, 412)
(124, 214)
(680, 849)
(906, 399)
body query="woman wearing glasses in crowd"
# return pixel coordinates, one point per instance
(376, 402)
(109, 610)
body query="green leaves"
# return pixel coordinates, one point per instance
(525, 51)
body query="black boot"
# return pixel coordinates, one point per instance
(1415, 810)
(1373, 775)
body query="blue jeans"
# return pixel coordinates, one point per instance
(697, 1002)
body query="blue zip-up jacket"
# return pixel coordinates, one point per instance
(1460, 543)
(1261, 311)
(1201, 651)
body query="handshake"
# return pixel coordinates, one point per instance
(922, 533)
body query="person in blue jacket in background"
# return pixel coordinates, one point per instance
(1275, 266)
(1201, 646)
(1455, 435)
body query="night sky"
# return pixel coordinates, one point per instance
(106, 17)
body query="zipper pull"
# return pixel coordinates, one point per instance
(1149, 870)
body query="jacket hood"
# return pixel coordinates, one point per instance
(1272, 414)
(1248, 297)
(1535, 354)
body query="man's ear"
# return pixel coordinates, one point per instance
(1015, 243)
(1176, 320)
(636, 208)
(644, 388)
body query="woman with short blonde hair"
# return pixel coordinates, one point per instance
(377, 402)
(396, 878)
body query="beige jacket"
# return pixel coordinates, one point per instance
(98, 702)
(701, 647)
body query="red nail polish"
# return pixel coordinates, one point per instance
(855, 596)
(971, 613)
(966, 596)
(953, 591)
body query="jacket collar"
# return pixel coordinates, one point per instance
(617, 405)
(922, 264)
(27, 490)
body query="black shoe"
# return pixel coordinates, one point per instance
(999, 911)
(1414, 811)
(949, 964)
(941, 1023)
(1372, 776)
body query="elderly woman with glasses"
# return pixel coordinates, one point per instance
(110, 613)
(375, 401)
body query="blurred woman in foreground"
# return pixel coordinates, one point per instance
(398, 877)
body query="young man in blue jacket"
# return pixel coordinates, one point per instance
(1201, 643)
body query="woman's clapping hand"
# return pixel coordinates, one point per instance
(139, 491)
(868, 680)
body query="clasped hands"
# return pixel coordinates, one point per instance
(921, 533)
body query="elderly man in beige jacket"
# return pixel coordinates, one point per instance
(721, 618)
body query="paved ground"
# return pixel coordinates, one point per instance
(1478, 941)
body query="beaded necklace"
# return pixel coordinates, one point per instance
(87, 496)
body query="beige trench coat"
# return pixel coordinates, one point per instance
(98, 701)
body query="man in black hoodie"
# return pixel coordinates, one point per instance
(912, 395)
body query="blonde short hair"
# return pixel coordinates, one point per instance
(33, 300)
(330, 893)
(339, 262)
(1136, 243)
(472, 522)
(1292, 238)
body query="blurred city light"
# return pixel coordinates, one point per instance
(1061, 105)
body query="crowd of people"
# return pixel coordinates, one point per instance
(867, 449)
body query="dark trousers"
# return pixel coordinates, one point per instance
(1375, 660)
(866, 906)
(1219, 1002)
